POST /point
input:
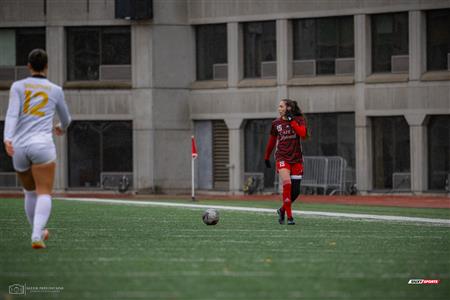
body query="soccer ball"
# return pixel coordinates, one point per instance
(210, 216)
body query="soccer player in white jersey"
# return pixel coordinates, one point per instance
(28, 140)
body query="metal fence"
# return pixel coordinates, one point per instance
(326, 173)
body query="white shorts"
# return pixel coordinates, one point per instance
(37, 153)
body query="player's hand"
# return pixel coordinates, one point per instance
(9, 148)
(268, 165)
(289, 115)
(58, 130)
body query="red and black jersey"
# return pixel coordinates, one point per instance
(287, 136)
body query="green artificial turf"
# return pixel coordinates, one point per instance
(100, 251)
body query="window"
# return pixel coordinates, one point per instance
(391, 153)
(98, 53)
(323, 46)
(96, 147)
(332, 134)
(390, 43)
(211, 43)
(16, 44)
(438, 39)
(438, 152)
(260, 50)
(256, 138)
(5, 161)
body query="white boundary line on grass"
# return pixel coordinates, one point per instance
(265, 210)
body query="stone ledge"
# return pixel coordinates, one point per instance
(97, 85)
(209, 84)
(435, 76)
(387, 78)
(322, 80)
(248, 83)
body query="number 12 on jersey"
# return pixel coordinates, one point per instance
(35, 110)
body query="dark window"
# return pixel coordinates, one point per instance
(332, 134)
(259, 47)
(391, 150)
(389, 38)
(256, 138)
(5, 161)
(439, 152)
(96, 147)
(90, 47)
(28, 39)
(211, 43)
(438, 39)
(323, 40)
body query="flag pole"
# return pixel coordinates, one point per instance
(194, 156)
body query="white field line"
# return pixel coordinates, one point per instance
(265, 210)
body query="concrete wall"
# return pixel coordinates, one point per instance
(163, 98)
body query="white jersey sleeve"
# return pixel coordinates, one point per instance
(12, 114)
(63, 111)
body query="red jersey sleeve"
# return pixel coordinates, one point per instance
(272, 142)
(299, 126)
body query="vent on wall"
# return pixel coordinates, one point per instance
(344, 66)
(220, 71)
(221, 158)
(400, 63)
(115, 72)
(133, 9)
(448, 61)
(9, 180)
(305, 67)
(401, 181)
(11, 73)
(268, 69)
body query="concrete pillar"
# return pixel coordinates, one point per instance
(417, 46)
(56, 52)
(419, 151)
(284, 57)
(235, 55)
(363, 137)
(364, 157)
(236, 144)
(56, 73)
(142, 54)
(143, 131)
(363, 65)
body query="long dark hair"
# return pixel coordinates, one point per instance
(296, 111)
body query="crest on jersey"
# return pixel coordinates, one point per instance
(279, 128)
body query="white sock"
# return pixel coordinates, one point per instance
(30, 204)
(41, 215)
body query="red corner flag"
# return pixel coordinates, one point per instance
(194, 148)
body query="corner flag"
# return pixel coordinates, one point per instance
(194, 148)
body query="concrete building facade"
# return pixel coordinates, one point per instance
(166, 104)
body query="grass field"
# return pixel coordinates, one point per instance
(100, 251)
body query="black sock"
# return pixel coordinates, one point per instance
(295, 189)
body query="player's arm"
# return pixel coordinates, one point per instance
(63, 114)
(299, 127)
(12, 117)
(270, 145)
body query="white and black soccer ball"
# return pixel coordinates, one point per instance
(210, 216)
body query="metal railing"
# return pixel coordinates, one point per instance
(324, 172)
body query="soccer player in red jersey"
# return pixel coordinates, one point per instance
(286, 133)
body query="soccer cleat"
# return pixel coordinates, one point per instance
(38, 245)
(45, 234)
(291, 221)
(280, 216)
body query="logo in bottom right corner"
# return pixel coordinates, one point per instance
(424, 281)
